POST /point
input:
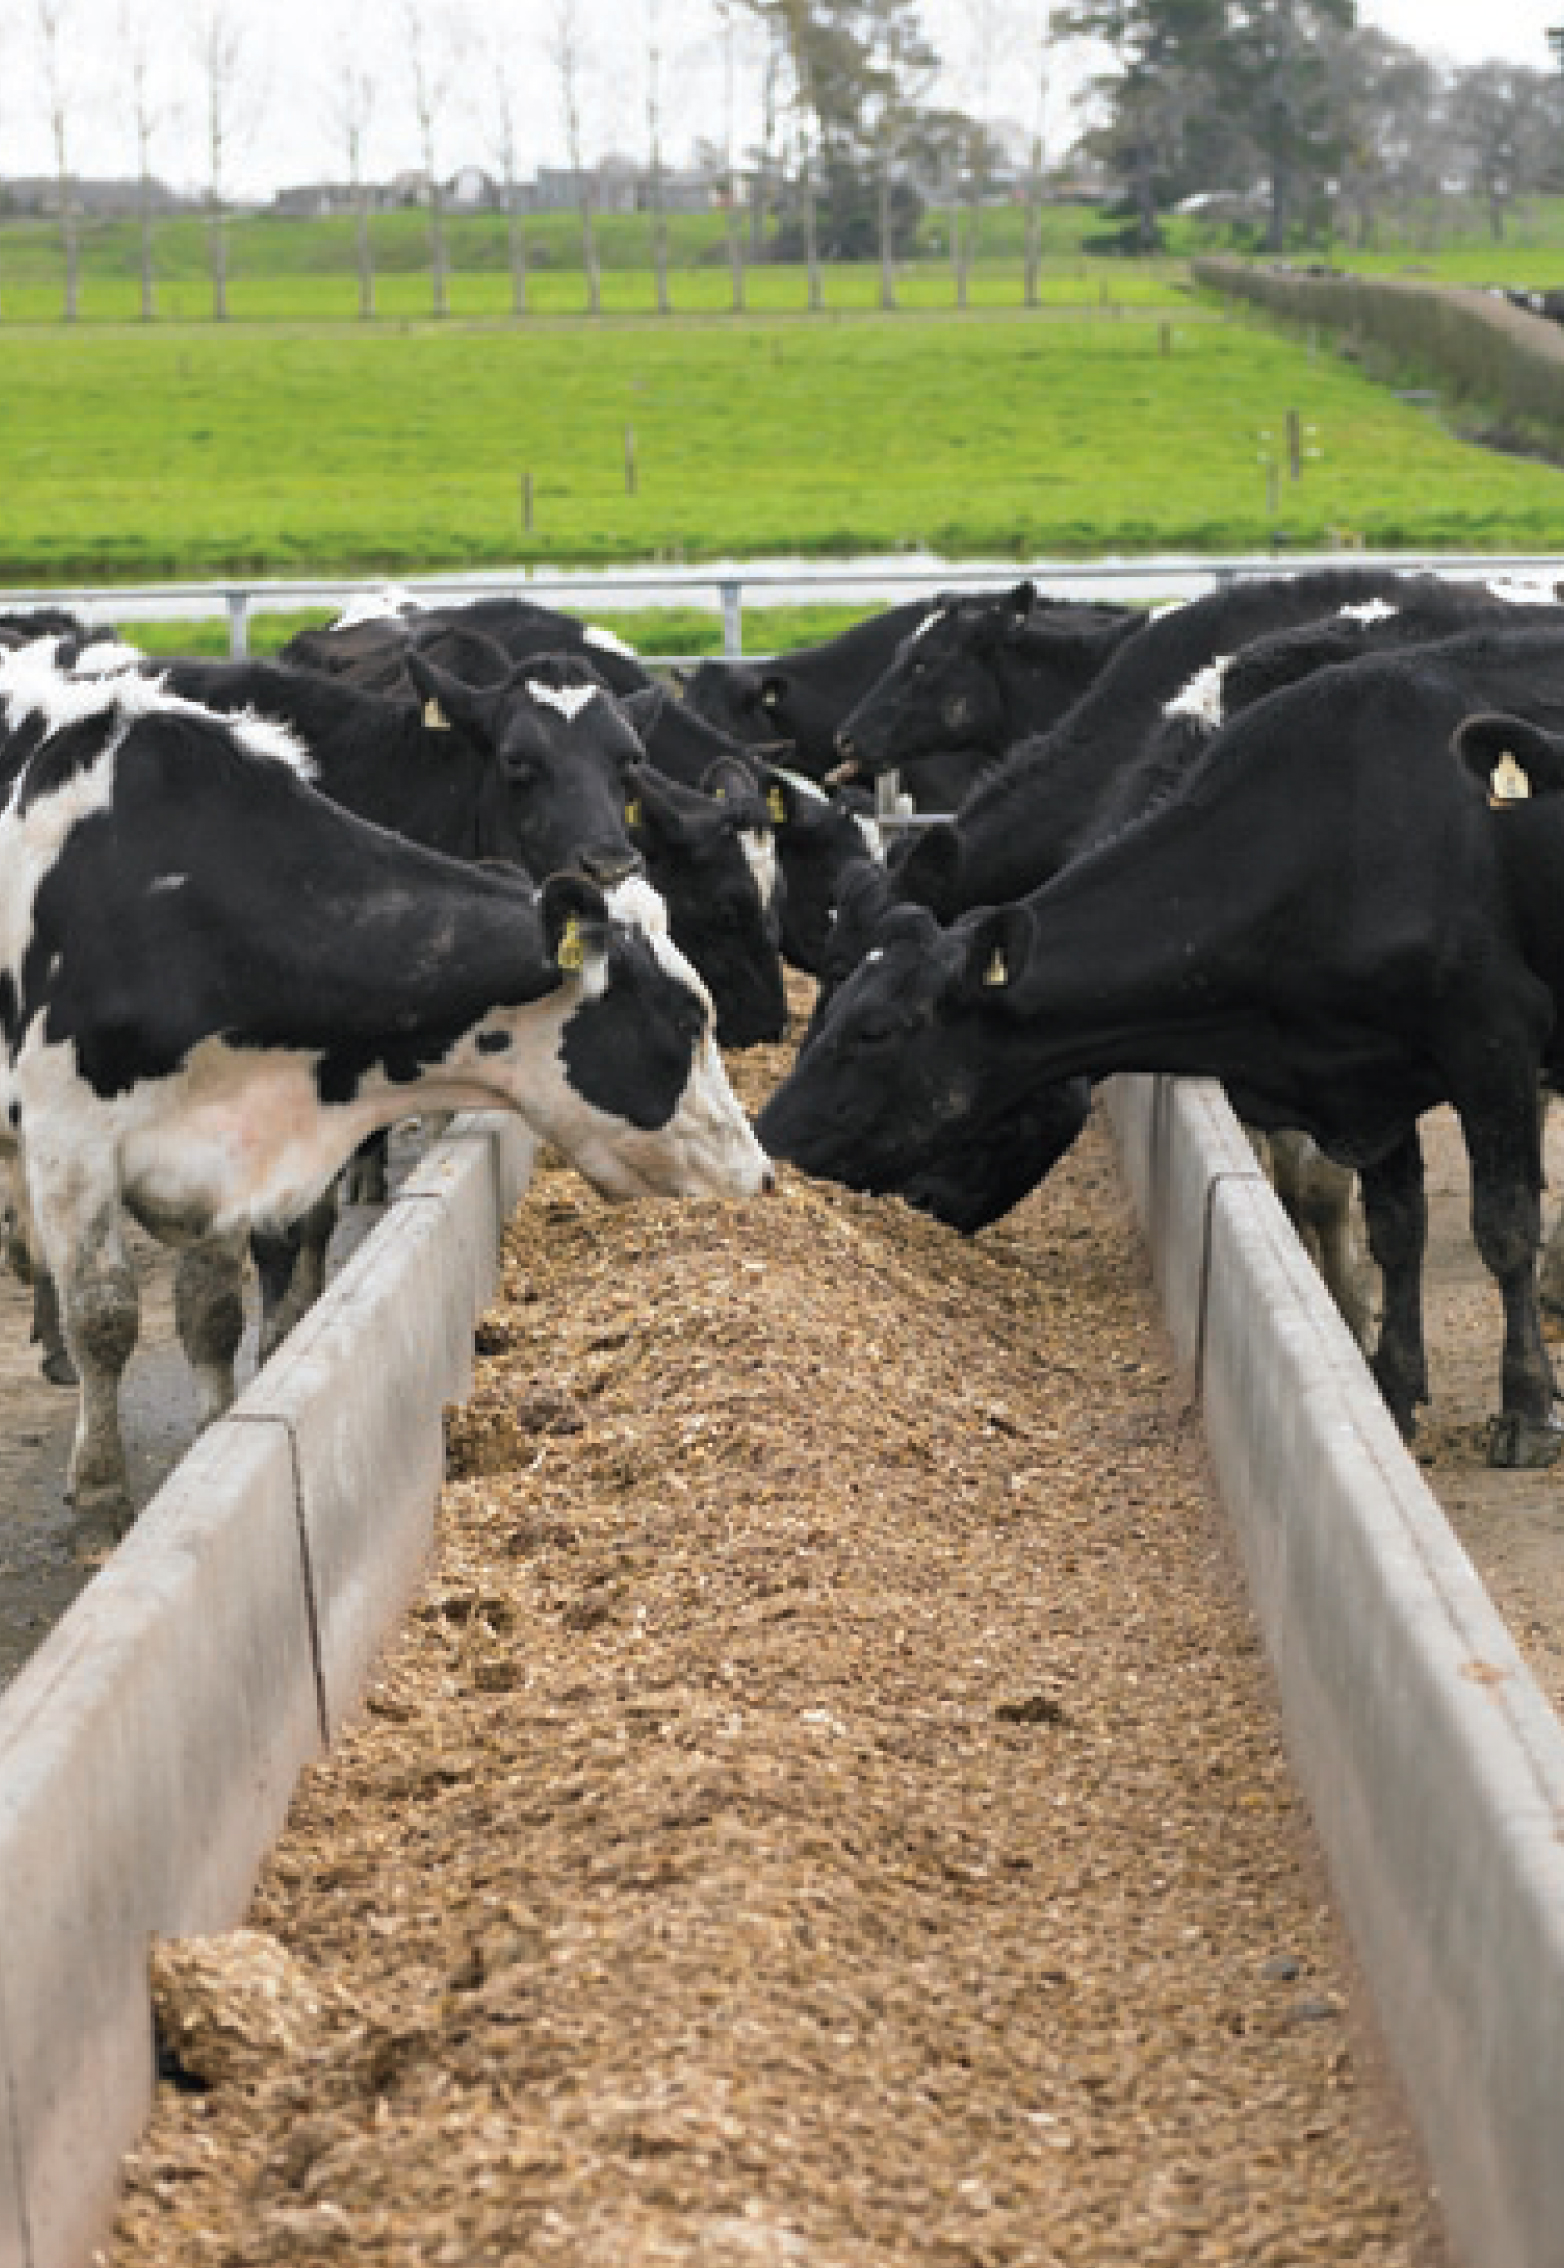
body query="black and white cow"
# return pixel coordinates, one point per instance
(710, 852)
(530, 768)
(370, 640)
(1336, 914)
(807, 695)
(214, 983)
(1026, 817)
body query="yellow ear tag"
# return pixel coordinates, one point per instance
(996, 972)
(776, 806)
(435, 717)
(632, 814)
(570, 953)
(1507, 783)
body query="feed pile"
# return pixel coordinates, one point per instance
(824, 1808)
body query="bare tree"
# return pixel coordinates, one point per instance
(427, 47)
(568, 54)
(351, 108)
(505, 143)
(51, 22)
(147, 114)
(731, 199)
(654, 149)
(1037, 157)
(221, 57)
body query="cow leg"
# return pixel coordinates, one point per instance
(1395, 1212)
(364, 1178)
(48, 1335)
(81, 1241)
(1506, 1163)
(292, 1266)
(1317, 1194)
(209, 1316)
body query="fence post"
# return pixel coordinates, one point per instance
(732, 619)
(238, 624)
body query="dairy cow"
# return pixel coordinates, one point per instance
(214, 983)
(371, 639)
(1348, 910)
(806, 695)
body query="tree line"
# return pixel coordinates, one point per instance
(837, 124)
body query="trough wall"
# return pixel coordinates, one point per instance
(1431, 1761)
(149, 1749)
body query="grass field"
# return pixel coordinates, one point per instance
(184, 452)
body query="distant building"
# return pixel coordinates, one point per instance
(37, 196)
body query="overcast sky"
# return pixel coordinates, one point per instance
(289, 47)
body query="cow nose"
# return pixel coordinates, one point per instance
(615, 864)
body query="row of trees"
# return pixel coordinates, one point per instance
(843, 121)
(1335, 122)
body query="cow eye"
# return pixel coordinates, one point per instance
(876, 1031)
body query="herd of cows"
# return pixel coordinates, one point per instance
(1305, 834)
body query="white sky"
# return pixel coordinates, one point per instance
(289, 47)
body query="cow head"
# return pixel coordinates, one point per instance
(561, 753)
(712, 858)
(914, 1063)
(976, 675)
(635, 1092)
(820, 839)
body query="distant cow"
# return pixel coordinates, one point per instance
(1334, 913)
(370, 639)
(807, 695)
(214, 983)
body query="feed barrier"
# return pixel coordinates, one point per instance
(1429, 1757)
(149, 1749)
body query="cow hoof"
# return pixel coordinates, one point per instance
(103, 1518)
(1519, 1444)
(59, 1369)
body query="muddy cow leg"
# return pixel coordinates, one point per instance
(80, 1240)
(1317, 1194)
(48, 1334)
(1395, 1211)
(209, 1316)
(1506, 1162)
(291, 1263)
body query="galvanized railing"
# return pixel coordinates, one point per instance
(724, 587)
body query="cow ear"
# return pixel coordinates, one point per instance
(643, 708)
(999, 946)
(575, 922)
(773, 692)
(1020, 600)
(731, 781)
(1510, 757)
(448, 701)
(927, 875)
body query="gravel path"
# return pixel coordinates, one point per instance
(825, 1807)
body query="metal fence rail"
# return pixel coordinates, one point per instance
(724, 587)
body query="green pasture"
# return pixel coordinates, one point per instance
(166, 452)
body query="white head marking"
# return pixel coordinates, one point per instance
(1369, 610)
(595, 635)
(1201, 699)
(569, 700)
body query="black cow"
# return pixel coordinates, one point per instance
(1024, 819)
(214, 983)
(805, 696)
(1023, 665)
(370, 640)
(817, 835)
(711, 855)
(1333, 913)
(529, 768)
